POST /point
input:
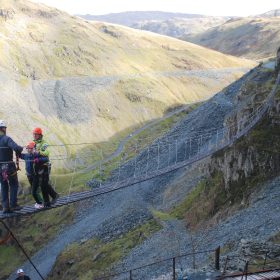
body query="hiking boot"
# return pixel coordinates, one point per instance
(7, 211)
(47, 204)
(38, 206)
(16, 208)
(54, 200)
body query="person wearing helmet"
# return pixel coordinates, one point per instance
(21, 275)
(43, 173)
(8, 171)
(33, 163)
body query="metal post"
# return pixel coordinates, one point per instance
(246, 269)
(245, 272)
(130, 274)
(100, 172)
(174, 265)
(148, 158)
(176, 151)
(158, 159)
(190, 148)
(264, 263)
(135, 161)
(217, 258)
(186, 150)
(168, 154)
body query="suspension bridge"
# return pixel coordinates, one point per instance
(162, 156)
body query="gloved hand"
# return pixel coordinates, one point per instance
(36, 160)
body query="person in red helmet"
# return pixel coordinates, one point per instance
(33, 163)
(43, 173)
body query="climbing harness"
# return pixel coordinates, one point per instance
(4, 172)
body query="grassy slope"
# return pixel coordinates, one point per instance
(64, 46)
(94, 258)
(254, 38)
(32, 233)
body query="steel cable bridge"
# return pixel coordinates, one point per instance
(206, 144)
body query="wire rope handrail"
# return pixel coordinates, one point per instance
(203, 151)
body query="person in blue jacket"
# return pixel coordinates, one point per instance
(8, 171)
(33, 163)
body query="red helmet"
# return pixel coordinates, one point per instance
(30, 145)
(37, 130)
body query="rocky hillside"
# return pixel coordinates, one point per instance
(181, 27)
(244, 37)
(72, 77)
(167, 215)
(228, 196)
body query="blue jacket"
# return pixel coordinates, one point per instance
(32, 167)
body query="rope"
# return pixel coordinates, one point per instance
(22, 249)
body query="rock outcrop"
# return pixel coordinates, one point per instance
(253, 157)
(277, 66)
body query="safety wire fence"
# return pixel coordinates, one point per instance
(162, 156)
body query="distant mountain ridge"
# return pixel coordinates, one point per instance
(239, 36)
(131, 17)
(175, 25)
(251, 37)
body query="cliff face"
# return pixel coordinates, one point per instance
(255, 155)
(232, 176)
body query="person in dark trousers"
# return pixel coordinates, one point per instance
(33, 163)
(8, 171)
(21, 275)
(43, 173)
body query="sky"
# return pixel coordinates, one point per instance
(206, 7)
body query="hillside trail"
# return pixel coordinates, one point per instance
(111, 214)
(134, 133)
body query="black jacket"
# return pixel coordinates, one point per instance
(7, 146)
(23, 278)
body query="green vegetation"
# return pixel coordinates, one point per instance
(33, 233)
(202, 202)
(94, 258)
(161, 216)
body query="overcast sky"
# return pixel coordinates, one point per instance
(207, 7)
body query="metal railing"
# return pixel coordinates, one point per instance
(172, 262)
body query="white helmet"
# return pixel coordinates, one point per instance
(2, 124)
(20, 271)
